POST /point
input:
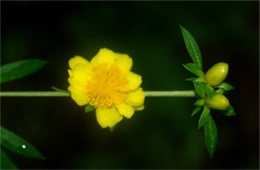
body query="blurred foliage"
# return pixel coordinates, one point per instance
(18, 145)
(163, 135)
(19, 69)
(9, 140)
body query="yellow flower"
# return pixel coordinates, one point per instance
(107, 84)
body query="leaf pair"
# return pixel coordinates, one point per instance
(9, 140)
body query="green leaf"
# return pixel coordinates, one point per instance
(196, 110)
(220, 91)
(20, 69)
(192, 47)
(191, 79)
(194, 68)
(210, 91)
(211, 136)
(59, 90)
(89, 108)
(199, 102)
(204, 117)
(6, 162)
(196, 79)
(18, 145)
(200, 89)
(230, 111)
(226, 86)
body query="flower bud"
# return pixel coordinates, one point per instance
(218, 102)
(216, 74)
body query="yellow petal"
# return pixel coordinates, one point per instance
(79, 75)
(104, 56)
(77, 95)
(134, 80)
(77, 60)
(124, 62)
(108, 117)
(70, 72)
(136, 98)
(139, 107)
(125, 110)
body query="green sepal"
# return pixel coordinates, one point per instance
(199, 102)
(211, 136)
(220, 91)
(191, 79)
(204, 117)
(196, 79)
(59, 89)
(209, 91)
(89, 108)
(196, 110)
(192, 47)
(200, 89)
(14, 143)
(230, 111)
(111, 129)
(225, 86)
(194, 68)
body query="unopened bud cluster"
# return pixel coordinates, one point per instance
(214, 77)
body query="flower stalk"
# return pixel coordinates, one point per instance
(184, 93)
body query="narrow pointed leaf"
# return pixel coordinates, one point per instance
(59, 89)
(191, 79)
(204, 117)
(192, 47)
(6, 162)
(20, 69)
(89, 108)
(12, 142)
(194, 68)
(220, 91)
(196, 79)
(211, 136)
(199, 102)
(210, 91)
(226, 86)
(200, 89)
(196, 110)
(230, 111)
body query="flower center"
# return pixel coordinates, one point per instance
(107, 86)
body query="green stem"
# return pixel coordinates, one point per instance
(186, 93)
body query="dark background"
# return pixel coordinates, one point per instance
(164, 135)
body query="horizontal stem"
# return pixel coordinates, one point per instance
(34, 94)
(186, 93)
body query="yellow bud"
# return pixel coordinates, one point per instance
(216, 74)
(218, 102)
